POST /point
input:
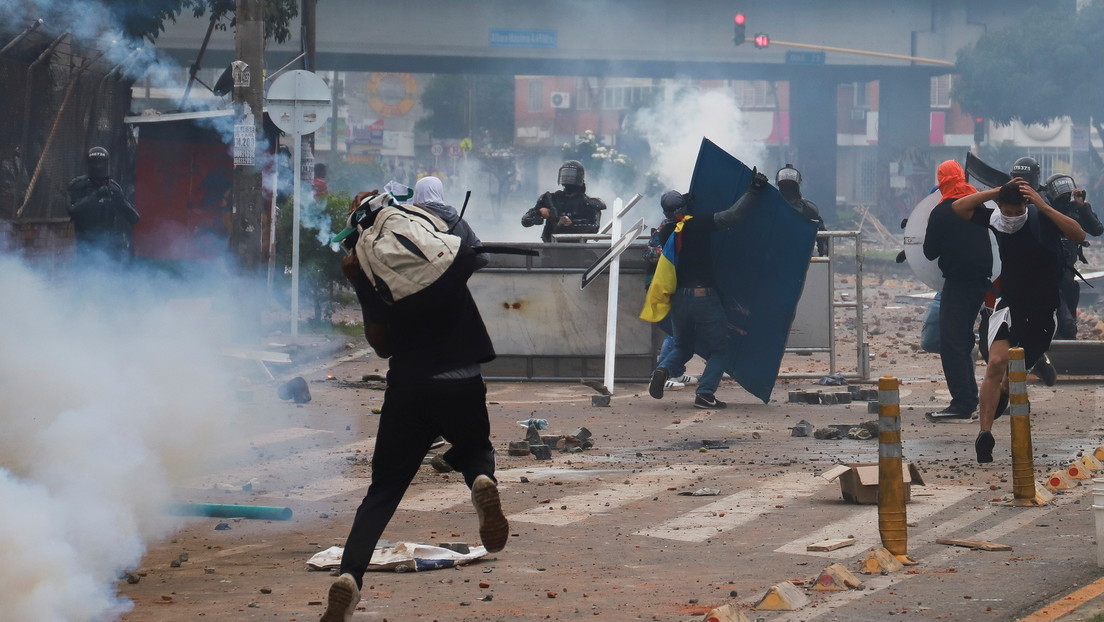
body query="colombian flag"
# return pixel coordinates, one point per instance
(657, 302)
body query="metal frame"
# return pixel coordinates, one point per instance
(862, 365)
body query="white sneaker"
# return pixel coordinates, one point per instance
(673, 384)
(687, 379)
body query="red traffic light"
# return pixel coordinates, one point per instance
(762, 40)
(739, 19)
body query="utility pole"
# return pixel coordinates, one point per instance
(247, 233)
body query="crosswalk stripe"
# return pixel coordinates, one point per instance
(862, 525)
(440, 498)
(730, 512)
(584, 505)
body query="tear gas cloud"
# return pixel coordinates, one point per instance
(111, 391)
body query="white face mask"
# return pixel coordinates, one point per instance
(1007, 224)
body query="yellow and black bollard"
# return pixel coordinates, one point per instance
(1024, 491)
(892, 521)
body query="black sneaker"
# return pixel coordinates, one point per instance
(1002, 405)
(708, 400)
(949, 415)
(1045, 371)
(659, 378)
(984, 447)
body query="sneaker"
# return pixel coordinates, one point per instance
(984, 447)
(342, 600)
(687, 379)
(1002, 405)
(494, 529)
(659, 378)
(1045, 371)
(438, 442)
(949, 414)
(674, 384)
(708, 400)
(440, 465)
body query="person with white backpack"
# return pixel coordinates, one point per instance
(410, 275)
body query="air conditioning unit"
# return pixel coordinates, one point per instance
(560, 99)
(858, 114)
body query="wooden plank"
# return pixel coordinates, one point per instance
(830, 545)
(982, 545)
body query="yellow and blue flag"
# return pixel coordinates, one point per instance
(657, 302)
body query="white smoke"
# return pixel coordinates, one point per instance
(675, 128)
(109, 389)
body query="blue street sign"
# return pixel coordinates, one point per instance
(794, 57)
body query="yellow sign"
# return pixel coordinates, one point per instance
(391, 94)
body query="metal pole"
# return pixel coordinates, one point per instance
(828, 48)
(247, 230)
(297, 140)
(611, 298)
(892, 521)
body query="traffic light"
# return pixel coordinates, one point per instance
(979, 130)
(762, 40)
(739, 22)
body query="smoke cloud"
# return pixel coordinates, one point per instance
(109, 391)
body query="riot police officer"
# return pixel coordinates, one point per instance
(1063, 195)
(102, 216)
(788, 179)
(568, 210)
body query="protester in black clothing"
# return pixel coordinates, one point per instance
(699, 320)
(1028, 238)
(1064, 196)
(788, 179)
(569, 210)
(966, 259)
(435, 340)
(103, 218)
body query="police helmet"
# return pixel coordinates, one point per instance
(1059, 184)
(788, 173)
(99, 163)
(1028, 169)
(572, 173)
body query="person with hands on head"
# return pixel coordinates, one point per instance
(698, 316)
(1028, 232)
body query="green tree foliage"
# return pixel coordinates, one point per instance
(320, 275)
(1043, 67)
(145, 19)
(468, 106)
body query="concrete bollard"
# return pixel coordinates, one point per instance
(892, 521)
(1019, 408)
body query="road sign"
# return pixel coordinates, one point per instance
(797, 57)
(454, 151)
(437, 150)
(299, 102)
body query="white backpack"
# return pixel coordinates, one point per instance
(406, 249)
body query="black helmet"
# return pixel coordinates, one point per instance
(99, 163)
(788, 173)
(672, 202)
(1059, 184)
(1028, 169)
(572, 173)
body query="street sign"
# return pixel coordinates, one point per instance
(454, 151)
(437, 150)
(797, 57)
(299, 102)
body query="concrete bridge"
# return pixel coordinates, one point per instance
(913, 40)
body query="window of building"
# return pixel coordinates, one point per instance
(753, 93)
(583, 88)
(941, 91)
(535, 100)
(861, 91)
(621, 97)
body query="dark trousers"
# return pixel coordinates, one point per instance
(412, 416)
(1070, 292)
(959, 305)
